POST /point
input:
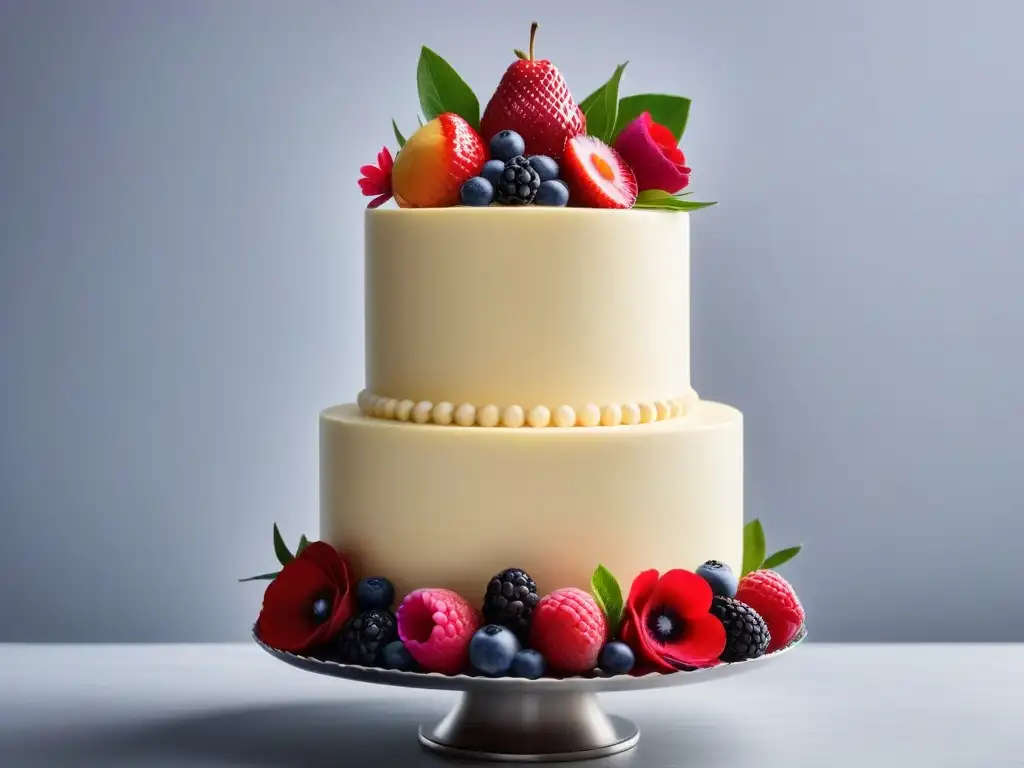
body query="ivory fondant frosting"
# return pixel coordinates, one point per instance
(529, 307)
(440, 506)
(528, 403)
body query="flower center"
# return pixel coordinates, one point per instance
(665, 624)
(321, 610)
(602, 167)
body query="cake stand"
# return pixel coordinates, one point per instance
(515, 720)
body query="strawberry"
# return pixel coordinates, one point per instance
(533, 100)
(436, 161)
(771, 596)
(597, 175)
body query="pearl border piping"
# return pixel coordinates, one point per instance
(515, 416)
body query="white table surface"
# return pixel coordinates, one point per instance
(826, 706)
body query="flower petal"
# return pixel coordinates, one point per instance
(373, 173)
(335, 567)
(384, 160)
(700, 645)
(327, 558)
(634, 634)
(379, 201)
(685, 592)
(286, 619)
(371, 187)
(641, 588)
(651, 166)
(634, 627)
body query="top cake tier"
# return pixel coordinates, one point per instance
(500, 307)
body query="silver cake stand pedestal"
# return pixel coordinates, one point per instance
(513, 720)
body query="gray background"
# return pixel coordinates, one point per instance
(180, 285)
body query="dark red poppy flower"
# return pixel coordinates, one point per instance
(376, 179)
(668, 624)
(306, 605)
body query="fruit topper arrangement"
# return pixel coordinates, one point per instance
(669, 622)
(534, 144)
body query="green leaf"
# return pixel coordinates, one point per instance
(441, 90)
(262, 577)
(520, 54)
(659, 200)
(601, 107)
(780, 557)
(419, 119)
(284, 555)
(670, 111)
(303, 543)
(753, 546)
(398, 134)
(608, 594)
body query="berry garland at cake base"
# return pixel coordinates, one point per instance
(522, 658)
(672, 622)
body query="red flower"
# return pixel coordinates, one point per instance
(668, 624)
(376, 179)
(654, 155)
(309, 601)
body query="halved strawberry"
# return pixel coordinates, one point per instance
(597, 175)
(436, 161)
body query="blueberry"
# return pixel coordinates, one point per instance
(720, 576)
(477, 191)
(492, 171)
(321, 609)
(552, 192)
(545, 167)
(507, 144)
(616, 658)
(375, 593)
(529, 664)
(397, 656)
(492, 649)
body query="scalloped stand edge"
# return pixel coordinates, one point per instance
(516, 720)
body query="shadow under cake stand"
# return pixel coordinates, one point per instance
(515, 720)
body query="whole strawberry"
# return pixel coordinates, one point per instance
(774, 599)
(533, 100)
(568, 629)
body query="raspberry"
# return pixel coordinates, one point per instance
(771, 596)
(436, 626)
(569, 629)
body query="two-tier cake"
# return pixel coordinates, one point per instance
(529, 434)
(528, 402)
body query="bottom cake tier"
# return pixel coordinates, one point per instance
(449, 507)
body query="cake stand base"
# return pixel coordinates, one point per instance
(529, 727)
(513, 720)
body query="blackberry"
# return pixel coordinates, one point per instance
(518, 183)
(510, 599)
(745, 631)
(364, 637)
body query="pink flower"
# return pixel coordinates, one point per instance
(654, 155)
(376, 179)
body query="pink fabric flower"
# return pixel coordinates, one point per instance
(376, 179)
(654, 155)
